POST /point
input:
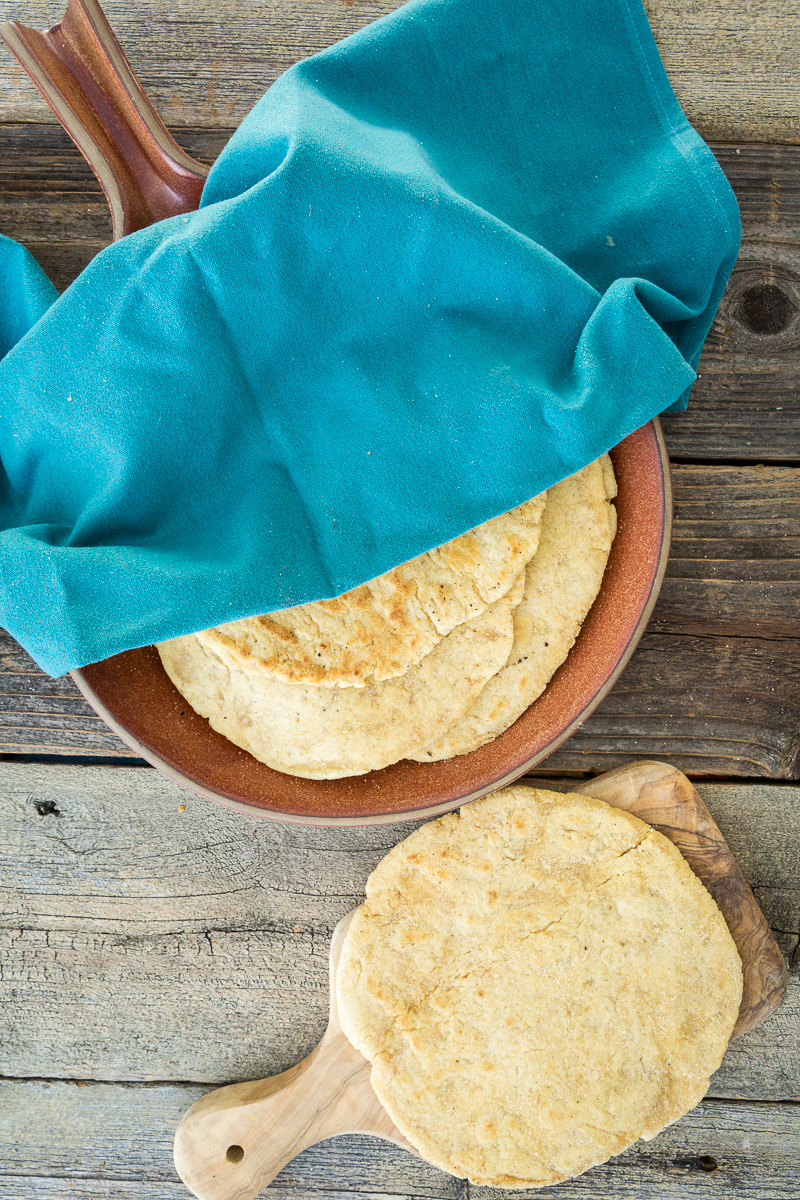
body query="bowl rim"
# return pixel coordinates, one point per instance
(429, 810)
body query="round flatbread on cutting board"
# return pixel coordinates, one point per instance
(539, 980)
(562, 582)
(379, 630)
(329, 733)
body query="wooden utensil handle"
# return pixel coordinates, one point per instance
(234, 1140)
(665, 799)
(83, 74)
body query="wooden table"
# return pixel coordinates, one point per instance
(153, 945)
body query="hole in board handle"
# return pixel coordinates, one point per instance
(234, 1154)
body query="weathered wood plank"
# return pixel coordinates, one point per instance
(101, 1140)
(745, 404)
(40, 715)
(149, 935)
(111, 1134)
(734, 565)
(746, 395)
(733, 66)
(51, 201)
(714, 685)
(206, 62)
(713, 706)
(774, 875)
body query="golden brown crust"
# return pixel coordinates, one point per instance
(379, 630)
(562, 582)
(539, 981)
(328, 733)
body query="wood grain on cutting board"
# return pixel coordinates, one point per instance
(235, 1140)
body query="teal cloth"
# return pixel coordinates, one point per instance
(440, 266)
(27, 294)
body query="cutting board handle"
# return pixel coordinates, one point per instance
(83, 74)
(235, 1140)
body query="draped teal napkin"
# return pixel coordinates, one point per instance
(27, 294)
(439, 267)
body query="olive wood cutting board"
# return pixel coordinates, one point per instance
(235, 1140)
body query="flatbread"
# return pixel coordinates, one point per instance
(329, 733)
(562, 582)
(379, 630)
(538, 980)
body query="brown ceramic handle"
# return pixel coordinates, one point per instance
(84, 76)
(663, 797)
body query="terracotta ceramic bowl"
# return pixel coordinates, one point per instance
(83, 74)
(133, 694)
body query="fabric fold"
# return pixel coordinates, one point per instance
(28, 293)
(439, 267)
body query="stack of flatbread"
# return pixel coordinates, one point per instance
(538, 981)
(429, 661)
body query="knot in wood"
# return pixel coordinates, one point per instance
(766, 309)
